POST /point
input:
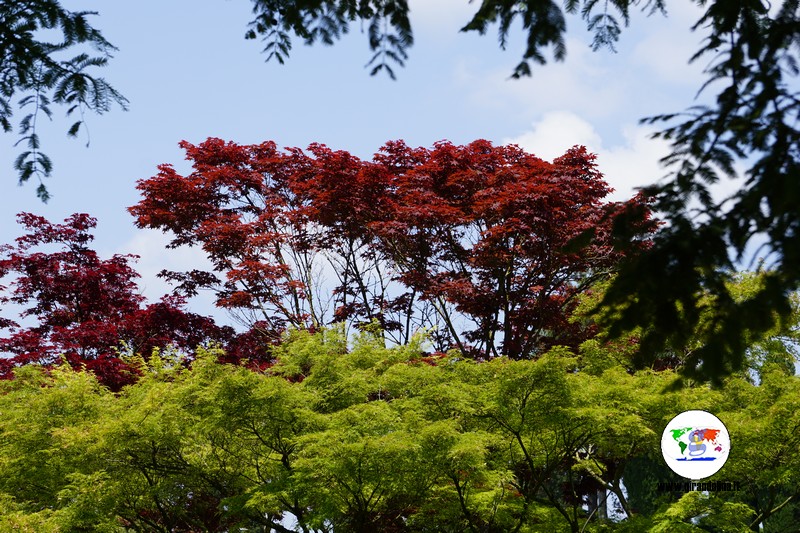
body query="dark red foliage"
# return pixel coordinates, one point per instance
(252, 348)
(491, 230)
(86, 307)
(491, 245)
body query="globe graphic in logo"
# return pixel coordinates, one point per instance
(695, 444)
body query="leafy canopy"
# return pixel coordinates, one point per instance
(370, 438)
(752, 49)
(489, 245)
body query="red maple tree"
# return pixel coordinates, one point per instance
(494, 232)
(490, 244)
(86, 307)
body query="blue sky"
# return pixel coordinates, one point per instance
(190, 74)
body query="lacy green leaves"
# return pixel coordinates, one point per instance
(366, 438)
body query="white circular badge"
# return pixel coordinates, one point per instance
(695, 444)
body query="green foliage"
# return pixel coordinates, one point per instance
(773, 345)
(360, 437)
(696, 511)
(643, 494)
(14, 517)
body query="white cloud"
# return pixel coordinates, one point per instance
(555, 133)
(633, 163)
(151, 247)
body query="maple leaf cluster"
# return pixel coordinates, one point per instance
(486, 246)
(88, 310)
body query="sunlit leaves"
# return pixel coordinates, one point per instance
(415, 238)
(449, 445)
